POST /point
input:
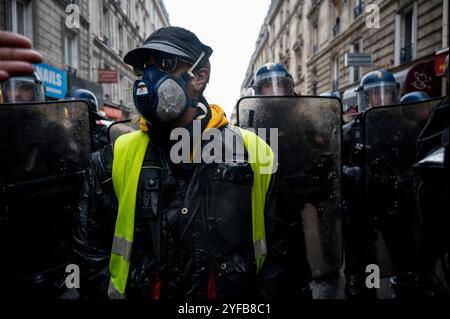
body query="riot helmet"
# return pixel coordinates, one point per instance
(22, 89)
(88, 96)
(415, 96)
(273, 79)
(377, 88)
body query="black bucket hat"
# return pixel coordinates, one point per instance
(173, 40)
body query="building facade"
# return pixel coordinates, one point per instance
(312, 38)
(84, 42)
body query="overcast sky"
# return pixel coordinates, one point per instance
(230, 28)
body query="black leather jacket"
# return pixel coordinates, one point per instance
(184, 250)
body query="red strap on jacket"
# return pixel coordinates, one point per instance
(211, 293)
(156, 288)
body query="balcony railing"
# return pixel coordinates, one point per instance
(406, 54)
(358, 10)
(336, 29)
(335, 85)
(315, 48)
(104, 39)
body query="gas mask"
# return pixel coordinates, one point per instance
(160, 97)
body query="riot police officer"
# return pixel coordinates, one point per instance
(377, 88)
(22, 89)
(273, 79)
(44, 160)
(99, 131)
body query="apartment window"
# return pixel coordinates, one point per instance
(105, 26)
(287, 42)
(315, 38)
(152, 12)
(124, 6)
(137, 21)
(406, 34)
(337, 26)
(130, 43)
(128, 6)
(115, 93)
(122, 90)
(335, 82)
(287, 10)
(358, 9)
(121, 41)
(22, 17)
(71, 50)
(299, 25)
(145, 22)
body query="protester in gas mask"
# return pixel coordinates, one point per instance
(151, 227)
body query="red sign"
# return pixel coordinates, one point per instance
(112, 113)
(421, 77)
(439, 65)
(107, 76)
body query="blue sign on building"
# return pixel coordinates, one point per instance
(55, 80)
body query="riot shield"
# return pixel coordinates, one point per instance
(309, 173)
(120, 128)
(44, 151)
(389, 137)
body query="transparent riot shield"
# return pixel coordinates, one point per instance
(389, 146)
(44, 151)
(120, 128)
(308, 177)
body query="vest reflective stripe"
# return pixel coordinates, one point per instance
(129, 152)
(122, 247)
(113, 293)
(261, 159)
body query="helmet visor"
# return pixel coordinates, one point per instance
(22, 90)
(273, 83)
(382, 94)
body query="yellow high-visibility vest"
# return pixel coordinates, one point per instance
(129, 152)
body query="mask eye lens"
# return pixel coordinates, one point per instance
(166, 63)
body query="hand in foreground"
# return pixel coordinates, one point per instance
(16, 55)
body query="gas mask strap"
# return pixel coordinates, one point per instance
(203, 107)
(189, 72)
